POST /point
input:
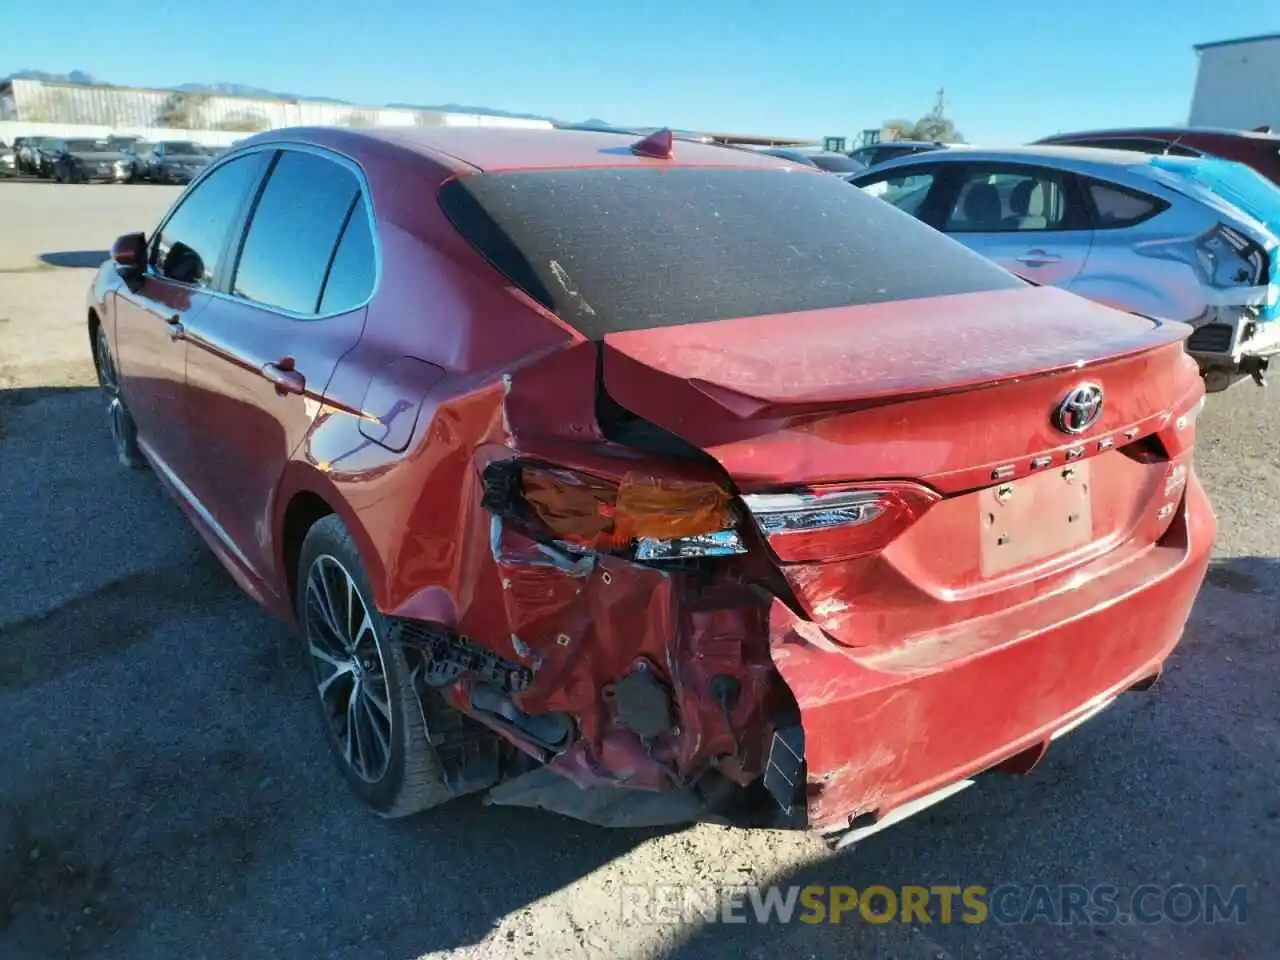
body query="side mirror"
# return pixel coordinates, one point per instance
(129, 253)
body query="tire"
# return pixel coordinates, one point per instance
(397, 772)
(124, 432)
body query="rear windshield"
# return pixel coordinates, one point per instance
(611, 249)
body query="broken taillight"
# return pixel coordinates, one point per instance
(837, 524)
(666, 519)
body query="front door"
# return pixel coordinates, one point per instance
(1030, 220)
(261, 357)
(185, 257)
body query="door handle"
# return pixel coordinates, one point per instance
(284, 376)
(176, 330)
(1038, 258)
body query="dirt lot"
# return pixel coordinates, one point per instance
(164, 790)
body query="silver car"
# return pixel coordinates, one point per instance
(1188, 239)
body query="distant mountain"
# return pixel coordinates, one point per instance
(75, 76)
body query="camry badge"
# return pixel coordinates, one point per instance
(1079, 409)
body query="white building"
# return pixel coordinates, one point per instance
(1238, 84)
(36, 108)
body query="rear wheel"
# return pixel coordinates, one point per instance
(374, 719)
(124, 432)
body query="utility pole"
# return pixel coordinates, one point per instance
(940, 104)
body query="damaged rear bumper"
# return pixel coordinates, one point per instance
(891, 732)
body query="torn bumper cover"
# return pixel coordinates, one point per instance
(883, 732)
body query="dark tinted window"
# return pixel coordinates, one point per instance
(351, 277)
(835, 163)
(190, 244)
(892, 152)
(627, 249)
(1118, 207)
(294, 230)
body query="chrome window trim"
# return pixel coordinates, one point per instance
(272, 146)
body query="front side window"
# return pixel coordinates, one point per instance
(997, 201)
(189, 246)
(294, 231)
(906, 191)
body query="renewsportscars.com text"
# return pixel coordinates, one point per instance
(973, 904)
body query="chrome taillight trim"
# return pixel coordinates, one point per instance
(777, 513)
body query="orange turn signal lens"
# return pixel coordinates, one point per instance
(666, 509)
(600, 514)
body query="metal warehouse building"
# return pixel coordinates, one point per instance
(1238, 84)
(38, 102)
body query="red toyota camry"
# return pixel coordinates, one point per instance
(653, 481)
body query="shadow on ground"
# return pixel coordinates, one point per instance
(1195, 805)
(75, 258)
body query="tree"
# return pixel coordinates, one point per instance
(182, 111)
(934, 125)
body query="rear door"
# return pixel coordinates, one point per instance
(263, 351)
(1032, 220)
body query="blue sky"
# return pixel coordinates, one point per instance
(1012, 71)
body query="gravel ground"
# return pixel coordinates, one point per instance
(164, 789)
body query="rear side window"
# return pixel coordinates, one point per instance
(294, 232)
(992, 200)
(1118, 207)
(351, 278)
(610, 250)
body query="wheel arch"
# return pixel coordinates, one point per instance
(305, 496)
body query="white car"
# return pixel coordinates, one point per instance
(1190, 239)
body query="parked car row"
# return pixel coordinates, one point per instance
(118, 159)
(647, 481)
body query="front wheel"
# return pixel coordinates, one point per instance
(374, 721)
(124, 432)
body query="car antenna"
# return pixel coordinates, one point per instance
(660, 145)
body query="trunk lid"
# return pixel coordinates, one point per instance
(956, 395)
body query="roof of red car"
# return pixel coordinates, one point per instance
(504, 148)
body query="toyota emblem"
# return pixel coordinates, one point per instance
(1079, 409)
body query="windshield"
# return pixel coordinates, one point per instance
(835, 163)
(612, 249)
(182, 146)
(86, 146)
